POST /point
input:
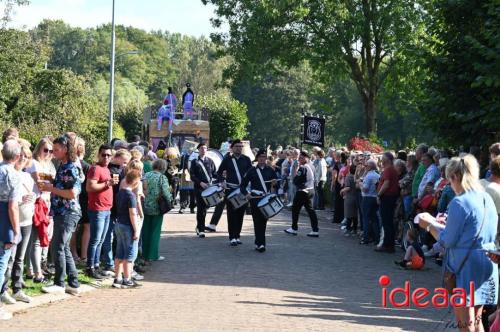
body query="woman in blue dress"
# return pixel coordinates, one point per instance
(471, 213)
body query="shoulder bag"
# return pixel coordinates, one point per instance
(164, 204)
(450, 278)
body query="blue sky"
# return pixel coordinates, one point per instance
(189, 17)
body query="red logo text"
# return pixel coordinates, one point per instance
(422, 297)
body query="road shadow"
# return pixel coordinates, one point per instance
(330, 278)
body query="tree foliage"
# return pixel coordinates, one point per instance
(358, 39)
(228, 118)
(463, 63)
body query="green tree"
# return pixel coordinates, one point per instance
(463, 62)
(228, 118)
(359, 39)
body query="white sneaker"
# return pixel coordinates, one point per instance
(160, 258)
(211, 227)
(289, 205)
(313, 234)
(20, 296)
(72, 290)
(344, 222)
(233, 243)
(53, 289)
(7, 299)
(201, 234)
(136, 276)
(290, 231)
(4, 314)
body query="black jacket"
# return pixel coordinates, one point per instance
(244, 165)
(252, 177)
(197, 173)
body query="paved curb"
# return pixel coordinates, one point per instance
(44, 299)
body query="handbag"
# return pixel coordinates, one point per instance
(164, 204)
(450, 278)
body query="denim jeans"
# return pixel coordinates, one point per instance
(107, 246)
(18, 261)
(387, 207)
(370, 219)
(64, 226)
(4, 261)
(99, 224)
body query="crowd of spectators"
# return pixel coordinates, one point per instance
(59, 213)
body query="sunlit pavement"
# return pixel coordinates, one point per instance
(328, 283)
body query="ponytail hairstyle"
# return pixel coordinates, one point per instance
(466, 169)
(69, 143)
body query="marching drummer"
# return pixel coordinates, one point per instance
(202, 173)
(304, 181)
(232, 169)
(262, 179)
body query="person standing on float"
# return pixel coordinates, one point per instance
(187, 102)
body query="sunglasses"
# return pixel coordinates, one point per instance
(105, 155)
(48, 150)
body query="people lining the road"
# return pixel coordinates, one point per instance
(373, 196)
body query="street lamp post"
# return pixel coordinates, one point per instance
(112, 76)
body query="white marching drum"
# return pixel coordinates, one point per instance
(213, 195)
(270, 205)
(237, 199)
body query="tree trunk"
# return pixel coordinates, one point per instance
(370, 114)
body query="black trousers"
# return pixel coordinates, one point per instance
(234, 219)
(187, 198)
(304, 199)
(320, 194)
(219, 208)
(259, 223)
(201, 211)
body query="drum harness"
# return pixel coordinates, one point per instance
(263, 184)
(205, 171)
(238, 175)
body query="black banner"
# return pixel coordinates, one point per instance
(314, 131)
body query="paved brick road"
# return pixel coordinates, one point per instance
(299, 284)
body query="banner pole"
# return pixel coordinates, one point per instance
(302, 129)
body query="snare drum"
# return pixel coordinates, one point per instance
(237, 199)
(213, 195)
(270, 206)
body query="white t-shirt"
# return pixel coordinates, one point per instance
(493, 189)
(26, 210)
(47, 168)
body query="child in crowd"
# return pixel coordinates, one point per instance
(127, 232)
(414, 257)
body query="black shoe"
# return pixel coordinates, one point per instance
(181, 211)
(130, 284)
(261, 248)
(238, 241)
(42, 280)
(192, 211)
(92, 273)
(364, 242)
